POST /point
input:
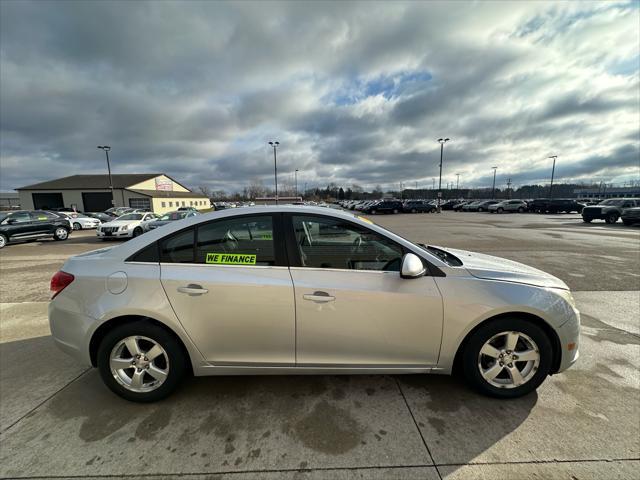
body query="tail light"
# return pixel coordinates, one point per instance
(59, 282)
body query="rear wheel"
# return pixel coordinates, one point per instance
(586, 220)
(60, 233)
(520, 209)
(413, 210)
(507, 358)
(500, 210)
(480, 209)
(141, 362)
(373, 212)
(3, 241)
(395, 210)
(611, 218)
(77, 226)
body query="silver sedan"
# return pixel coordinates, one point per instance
(291, 290)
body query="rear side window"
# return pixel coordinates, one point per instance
(177, 248)
(244, 241)
(147, 254)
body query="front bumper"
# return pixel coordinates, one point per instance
(118, 234)
(569, 336)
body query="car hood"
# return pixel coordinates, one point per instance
(489, 267)
(119, 223)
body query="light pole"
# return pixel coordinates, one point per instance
(275, 166)
(442, 141)
(106, 149)
(493, 189)
(296, 181)
(457, 182)
(304, 192)
(553, 171)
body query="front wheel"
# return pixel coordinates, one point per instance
(3, 241)
(480, 209)
(501, 210)
(507, 358)
(137, 232)
(77, 226)
(395, 210)
(60, 233)
(520, 210)
(141, 362)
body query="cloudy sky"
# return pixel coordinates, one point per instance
(354, 92)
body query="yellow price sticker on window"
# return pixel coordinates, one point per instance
(230, 259)
(267, 236)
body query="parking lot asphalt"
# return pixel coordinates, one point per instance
(58, 420)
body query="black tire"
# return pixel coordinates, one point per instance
(395, 210)
(413, 210)
(480, 209)
(177, 360)
(59, 235)
(373, 212)
(137, 232)
(474, 343)
(628, 223)
(520, 209)
(500, 210)
(77, 226)
(3, 240)
(587, 220)
(611, 218)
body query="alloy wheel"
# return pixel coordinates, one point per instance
(61, 233)
(508, 359)
(139, 364)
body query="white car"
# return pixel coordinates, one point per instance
(519, 206)
(127, 226)
(79, 221)
(299, 290)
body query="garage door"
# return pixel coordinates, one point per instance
(96, 201)
(46, 201)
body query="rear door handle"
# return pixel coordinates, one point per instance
(193, 290)
(319, 297)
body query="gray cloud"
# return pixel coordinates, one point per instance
(355, 93)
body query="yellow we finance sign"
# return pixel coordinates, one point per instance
(231, 258)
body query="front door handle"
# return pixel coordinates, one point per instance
(319, 297)
(193, 290)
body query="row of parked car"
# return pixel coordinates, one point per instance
(120, 222)
(610, 210)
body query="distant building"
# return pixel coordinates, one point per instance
(9, 201)
(90, 193)
(608, 192)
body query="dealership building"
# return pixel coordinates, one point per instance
(91, 193)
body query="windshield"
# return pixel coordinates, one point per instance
(131, 216)
(3, 215)
(612, 201)
(173, 216)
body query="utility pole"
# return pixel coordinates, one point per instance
(442, 141)
(553, 171)
(296, 181)
(106, 149)
(457, 181)
(493, 189)
(275, 166)
(509, 187)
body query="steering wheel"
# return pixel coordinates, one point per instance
(357, 244)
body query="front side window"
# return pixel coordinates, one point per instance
(19, 217)
(244, 241)
(333, 243)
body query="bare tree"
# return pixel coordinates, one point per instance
(255, 189)
(204, 190)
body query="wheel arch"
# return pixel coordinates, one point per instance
(548, 330)
(106, 327)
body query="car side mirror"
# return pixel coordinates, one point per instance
(412, 266)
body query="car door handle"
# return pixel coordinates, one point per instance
(193, 290)
(319, 297)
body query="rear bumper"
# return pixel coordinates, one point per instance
(69, 331)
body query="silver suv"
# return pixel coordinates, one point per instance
(519, 206)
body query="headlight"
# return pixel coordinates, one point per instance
(124, 228)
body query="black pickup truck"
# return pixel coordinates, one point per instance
(609, 210)
(556, 205)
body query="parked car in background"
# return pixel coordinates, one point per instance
(457, 207)
(126, 226)
(384, 206)
(80, 221)
(562, 205)
(631, 216)
(449, 204)
(519, 206)
(538, 205)
(103, 217)
(117, 211)
(418, 206)
(168, 218)
(481, 206)
(187, 209)
(23, 225)
(609, 210)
